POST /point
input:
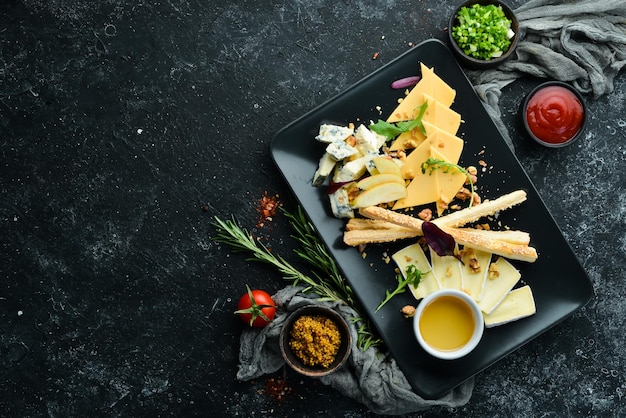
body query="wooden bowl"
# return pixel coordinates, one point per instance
(344, 347)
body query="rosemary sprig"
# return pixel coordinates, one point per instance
(333, 288)
(432, 164)
(365, 337)
(314, 253)
(228, 232)
(413, 277)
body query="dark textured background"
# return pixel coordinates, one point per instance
(120, 121)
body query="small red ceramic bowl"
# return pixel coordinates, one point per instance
(554, 114)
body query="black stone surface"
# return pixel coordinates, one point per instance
(126, 126)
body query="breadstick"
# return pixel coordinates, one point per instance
(358, 237)
(369, 224)
(454, 219)
(486, 208)
(406, 221)
(467, 237)
(509, 235)
(479, 239)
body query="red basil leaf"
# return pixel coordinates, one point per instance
(440, 241)
(334, 186)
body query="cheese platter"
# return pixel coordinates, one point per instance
(559, 284)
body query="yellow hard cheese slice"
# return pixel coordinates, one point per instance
(438, 185)
(420, 191)
(497, 286)
(423, 188)
(448, 182)
(413, 162)
(448, 145)
(517, 304)
(412, 139)
(474, 268)
(437, 116)
(430, 84)
(414, 255)
(448, 271)
(441, 115)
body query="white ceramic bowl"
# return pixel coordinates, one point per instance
(442, 339)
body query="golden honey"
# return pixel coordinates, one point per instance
(447, 323)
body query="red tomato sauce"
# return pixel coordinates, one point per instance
(554, 114)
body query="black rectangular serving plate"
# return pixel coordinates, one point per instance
(558, 281)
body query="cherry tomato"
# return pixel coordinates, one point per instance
(256, 308)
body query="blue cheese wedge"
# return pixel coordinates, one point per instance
(340, 150)
(518, 303)
(368, 141)
(324, 169)
(350, 171)
(370, 165)
(329, 133)
(414, 255)
(340, 204)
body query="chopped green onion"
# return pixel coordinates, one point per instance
(483, 31)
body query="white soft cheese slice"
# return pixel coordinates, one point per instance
(448, 271)
(414, 255)
(474, 269)
(518, 303)
(497, 286)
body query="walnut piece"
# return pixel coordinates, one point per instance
(408, 311)
(473, 174)
(493, 272)
(425, 214)
(463, 194)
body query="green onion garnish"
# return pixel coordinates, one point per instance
(483, 31)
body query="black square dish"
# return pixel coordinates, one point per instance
(558, 281)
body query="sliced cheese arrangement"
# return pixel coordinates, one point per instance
(368, 178)
(439, 141)
(489, 280)
(350, 154)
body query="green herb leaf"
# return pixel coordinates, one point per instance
(392, 130)
(413, 278)
(432, 164)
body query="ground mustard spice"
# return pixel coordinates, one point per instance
(315, 340)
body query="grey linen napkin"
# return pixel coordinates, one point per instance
(582, 42)
(370, 377)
